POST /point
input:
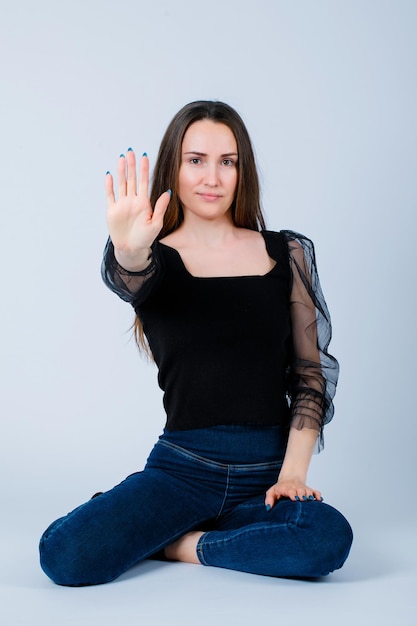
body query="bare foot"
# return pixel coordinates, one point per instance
(185, 548)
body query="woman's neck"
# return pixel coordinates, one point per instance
(205, 233)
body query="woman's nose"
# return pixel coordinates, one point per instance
(211, 174)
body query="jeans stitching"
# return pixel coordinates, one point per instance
(235, 467)
(225, 494)
(245, 530)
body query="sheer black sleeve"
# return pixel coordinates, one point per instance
(313, 372)
(130, 286)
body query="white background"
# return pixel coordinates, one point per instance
(328, 92)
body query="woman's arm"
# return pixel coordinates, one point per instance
(293, 475)
(313, 372)
(312, 375)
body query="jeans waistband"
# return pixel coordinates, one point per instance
(232, 444)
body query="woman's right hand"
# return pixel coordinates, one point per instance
(133, 225)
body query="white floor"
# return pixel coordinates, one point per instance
(377, 586)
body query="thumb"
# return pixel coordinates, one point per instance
(161, 206)
(269, 499)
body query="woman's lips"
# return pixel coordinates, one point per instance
(209, 197)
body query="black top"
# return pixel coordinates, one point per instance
(236, 350)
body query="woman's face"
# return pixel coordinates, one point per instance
(208, 172)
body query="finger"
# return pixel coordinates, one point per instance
(108, 185)
(161, 207)
(301, 495)
(269, 502)
(293, 495)
(270, 498)
(121, 175)
(131, 172)
(144, 176)
(307, 494)
(317, 495)
(287, 492)
(312, 494)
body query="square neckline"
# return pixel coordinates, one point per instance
(238, 276)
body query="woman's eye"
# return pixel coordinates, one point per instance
(228, 162)
(195, 161)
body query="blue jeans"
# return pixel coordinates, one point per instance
(211, 479)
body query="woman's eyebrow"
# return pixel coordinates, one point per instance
(226, 154)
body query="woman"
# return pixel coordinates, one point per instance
(235, 319)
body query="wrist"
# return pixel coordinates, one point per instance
(135, 262)
(293, 474)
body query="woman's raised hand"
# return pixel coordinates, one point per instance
(132, 224)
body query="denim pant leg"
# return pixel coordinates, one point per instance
(293, 539)
(104, 537)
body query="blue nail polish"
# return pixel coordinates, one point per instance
(297, 498)
(145, 154)
(304, 498)
(122, 156)
(311, 497)
(170, 192)
(130, 150)
(321, 499)
(268, 507)
(107, 173)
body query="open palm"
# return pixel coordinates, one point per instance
(133, 224)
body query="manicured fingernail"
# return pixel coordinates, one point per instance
(122, 156)
(297, 498)
(311, 497)
(130, 150)
(321, 499)
(170, 192)
(107, 173)
(268, 507)
(145, 154)
(304, 497)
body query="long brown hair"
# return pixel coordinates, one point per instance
(246, 208)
